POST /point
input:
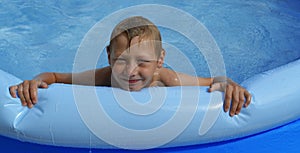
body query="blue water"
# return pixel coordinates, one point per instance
(253, 36)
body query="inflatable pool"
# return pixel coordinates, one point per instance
(56, 119)
(253, 37)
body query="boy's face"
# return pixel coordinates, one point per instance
(133, 68)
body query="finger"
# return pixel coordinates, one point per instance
(33, 91)
(241, 102)
(215, 87)
(212, 88)
(43, 85)
(21, 96)
(13, 90)
(228, 97)
(26, 93)
(234, 101)
(248, 98)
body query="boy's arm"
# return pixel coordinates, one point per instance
(27, 90)
(235, 96)
(53, 77)
(171, 78)
(98, 77)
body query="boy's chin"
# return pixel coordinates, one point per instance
(134, 88)
(131, 88)
(127, 87)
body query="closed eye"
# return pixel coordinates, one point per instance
(143, 61)
(120, 60)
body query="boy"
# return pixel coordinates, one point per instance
(136, 57)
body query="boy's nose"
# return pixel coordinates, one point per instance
(131, 69)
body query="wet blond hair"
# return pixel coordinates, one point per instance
(137, 26)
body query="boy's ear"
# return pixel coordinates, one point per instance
(108, 54)
(161, 58)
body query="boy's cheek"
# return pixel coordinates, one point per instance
(116, 70)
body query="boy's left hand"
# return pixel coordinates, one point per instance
(235, 96)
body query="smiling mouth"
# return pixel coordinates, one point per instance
(133, 81)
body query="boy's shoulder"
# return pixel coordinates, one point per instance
(103, 76)
(166, 76)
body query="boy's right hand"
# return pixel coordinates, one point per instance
(27, 91)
